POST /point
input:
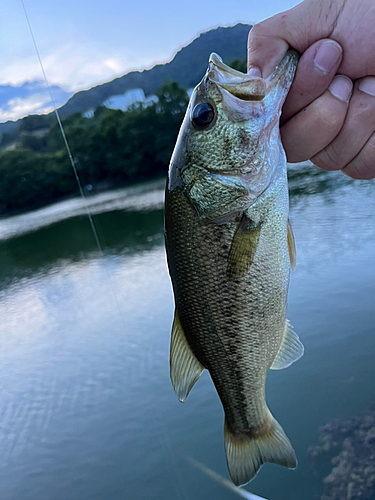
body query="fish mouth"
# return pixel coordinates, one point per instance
(248, 88)
(252, 88)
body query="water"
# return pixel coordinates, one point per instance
(87, 410)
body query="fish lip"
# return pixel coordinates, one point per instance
(251, 88)
(284, 72)
(217, 61)
(241, 85)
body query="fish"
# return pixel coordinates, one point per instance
(230, 248)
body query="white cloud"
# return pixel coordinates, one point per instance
(72, 66)
(17, 108)
(113, 64)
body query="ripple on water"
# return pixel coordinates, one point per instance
(87, 409)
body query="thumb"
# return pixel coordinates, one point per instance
(269, 40)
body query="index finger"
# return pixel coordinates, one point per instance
(297, 28)
(264, 51)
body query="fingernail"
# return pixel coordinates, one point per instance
(254, 72)
(341, 87)
(327, 57)
(367, 85)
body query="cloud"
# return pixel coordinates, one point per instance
(17, 108)
(31, 97)
(113, 64)
(73, 66)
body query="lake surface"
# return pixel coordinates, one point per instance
(87, 410)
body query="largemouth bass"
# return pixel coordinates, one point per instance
(230, 248)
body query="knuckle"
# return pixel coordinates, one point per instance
(362, 107)
(328, 159)
(255, 35)
(331, 120)
(363, 166)
(260, 31)
(367, 159)
(318, 162)
(365, 170)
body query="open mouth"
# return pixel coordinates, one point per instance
(248, 88)
(251, 88)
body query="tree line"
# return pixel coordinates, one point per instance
(112, 148)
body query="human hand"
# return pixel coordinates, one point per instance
(325, 118)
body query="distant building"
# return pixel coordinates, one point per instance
(89, 114)
(130, 97)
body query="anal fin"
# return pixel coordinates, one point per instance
(185, 369)
(290, 350)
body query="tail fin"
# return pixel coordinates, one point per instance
(245, 455)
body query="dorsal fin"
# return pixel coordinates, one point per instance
(291, 246)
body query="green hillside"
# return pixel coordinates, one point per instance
(112, 147)
(186, 68)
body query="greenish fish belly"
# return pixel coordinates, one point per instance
(233, 325)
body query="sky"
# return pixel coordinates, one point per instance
(86, 42)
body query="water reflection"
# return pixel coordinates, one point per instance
(73, 241)
(87, 410)
(306, 179)
(146, 196)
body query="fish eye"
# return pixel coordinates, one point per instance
(203, 114)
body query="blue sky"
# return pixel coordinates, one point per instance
(85, 42)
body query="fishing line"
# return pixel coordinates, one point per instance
(178, 478)
(71, 159)
(73, 163)
(95, 230)
(223, 481)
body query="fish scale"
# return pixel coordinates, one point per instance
(229, 258)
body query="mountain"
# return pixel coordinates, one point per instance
(187, 68)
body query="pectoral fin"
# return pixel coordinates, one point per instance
(291, 246)
(244, 246)
(185, 369)
(291, 349)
